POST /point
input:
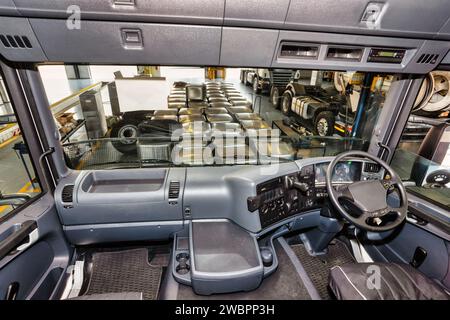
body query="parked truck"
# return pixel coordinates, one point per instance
(269, 81)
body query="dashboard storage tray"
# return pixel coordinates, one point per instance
(224, 258)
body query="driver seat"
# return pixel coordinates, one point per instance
(356, 281)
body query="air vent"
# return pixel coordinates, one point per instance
(174, 189)
(15, 41)
(289, 50)
(427, 58)
(67, 194)
(371, 167)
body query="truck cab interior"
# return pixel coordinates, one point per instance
(297, 151)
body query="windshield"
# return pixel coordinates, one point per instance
(143, 116)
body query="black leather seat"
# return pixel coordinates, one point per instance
(358, 281)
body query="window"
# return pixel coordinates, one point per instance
(180, 116)
(422, 157)
(18, 182)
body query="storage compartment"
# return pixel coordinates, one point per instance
(295, 50)
(189, 44)
(350, 54)
(173, 11)
(106, 182)
(223, 258)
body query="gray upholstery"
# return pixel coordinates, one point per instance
(112, 296)
(356, 281)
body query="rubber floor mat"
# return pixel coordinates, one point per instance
(125, 271)
(318, 268)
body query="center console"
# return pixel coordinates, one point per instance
(218, 256)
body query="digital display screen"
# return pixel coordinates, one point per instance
(345, 171)
(386, 55)
(390, 54)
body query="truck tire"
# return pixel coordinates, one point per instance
(286, 103)
(324, 124)
(127, 132)
(275, 96)
(255, 85)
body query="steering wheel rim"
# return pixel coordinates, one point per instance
(369, 192)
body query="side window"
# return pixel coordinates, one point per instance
(18, 182)
(422, 157)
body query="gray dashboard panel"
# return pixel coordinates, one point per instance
(173, 11)
(256, 13)
(15, 26)
(121, 206)
(247, 47)
(446, 59)
(8, 8)
(398, 17)
(102, 42)
(222, 192)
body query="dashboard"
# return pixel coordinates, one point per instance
(113, 205)
(287, 195)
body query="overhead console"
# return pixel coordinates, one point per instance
(350, 52)
(387, 18)
(349, 34)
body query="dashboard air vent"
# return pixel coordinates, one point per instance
(371, 167)
(15, 41)
(428, 58)
(67, 193)
(174, 189)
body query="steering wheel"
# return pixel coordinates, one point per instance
(368, 198)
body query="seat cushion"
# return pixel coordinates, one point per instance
(112, 296)
(383, 281)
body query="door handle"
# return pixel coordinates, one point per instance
(15, 240)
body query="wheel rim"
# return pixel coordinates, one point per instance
(322, 127)
(285, 104)
(128, 134)
(275, 97)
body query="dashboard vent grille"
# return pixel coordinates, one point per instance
(428, 58)
(174, 189)
(371, 167)
(67, 193)
(15, 41)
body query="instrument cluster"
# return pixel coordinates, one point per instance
(284, 196)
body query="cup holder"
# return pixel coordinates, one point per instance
(182, 257)
(183, 267)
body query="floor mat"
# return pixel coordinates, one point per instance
(125, 271)
(284, 284)
(318, 268)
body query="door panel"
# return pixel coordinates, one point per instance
(401, 248)
(34, 271)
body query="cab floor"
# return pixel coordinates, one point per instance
(135, 269)
(318, 267)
